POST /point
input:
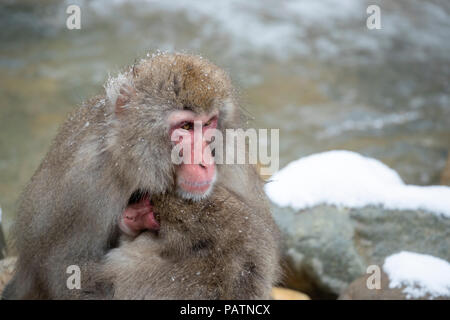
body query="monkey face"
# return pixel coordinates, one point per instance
(164, 106)
(196, 174)
(171, 101)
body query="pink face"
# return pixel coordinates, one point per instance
(195, 177)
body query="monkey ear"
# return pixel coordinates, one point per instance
(126, 92)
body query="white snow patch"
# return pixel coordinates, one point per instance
(348, 179)
(421, 275)
(0, 215)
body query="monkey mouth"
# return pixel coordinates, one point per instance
(195, 186)
(195, 189)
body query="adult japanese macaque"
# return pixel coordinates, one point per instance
(110, 158)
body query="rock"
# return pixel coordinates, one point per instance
(288, 294)
(326, 248)
(6, 271)
(359, 290)
(445, 176)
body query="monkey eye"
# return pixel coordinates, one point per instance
(187, 126)
(209, 122)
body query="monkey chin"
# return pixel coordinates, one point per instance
(196, 196)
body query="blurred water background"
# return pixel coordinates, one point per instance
(310, 68)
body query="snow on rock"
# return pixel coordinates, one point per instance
(420, 275)
(348, 179)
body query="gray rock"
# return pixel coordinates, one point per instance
(326, 248)
(358, 290)
(380, 233)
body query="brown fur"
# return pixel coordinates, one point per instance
(191, 83)
(218, 248)
(104, 152)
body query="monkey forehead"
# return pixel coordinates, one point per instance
(183, 80)
(178, 116)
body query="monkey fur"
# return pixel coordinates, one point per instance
(217, 248)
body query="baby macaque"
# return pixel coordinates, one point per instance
(217, 248)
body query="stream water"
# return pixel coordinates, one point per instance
(310, 68)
